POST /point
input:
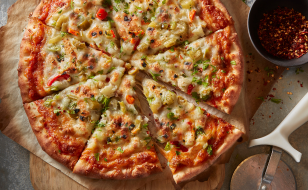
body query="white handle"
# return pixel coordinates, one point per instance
(279, 137)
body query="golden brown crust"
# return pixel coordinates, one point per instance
(23, 64)
(137, 171)
(233, 92)
(190, 172)
(46, 142)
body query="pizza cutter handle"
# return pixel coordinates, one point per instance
(279, 137)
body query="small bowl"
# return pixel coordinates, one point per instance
(256, 14)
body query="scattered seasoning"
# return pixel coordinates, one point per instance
(284, 33)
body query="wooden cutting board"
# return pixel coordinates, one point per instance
(45, 177)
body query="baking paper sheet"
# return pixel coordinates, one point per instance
(14, 122)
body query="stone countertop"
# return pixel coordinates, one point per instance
(14, 159)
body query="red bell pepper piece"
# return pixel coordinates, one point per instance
(101, 14)
(57, 78)
(190, 88)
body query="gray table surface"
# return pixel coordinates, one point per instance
(14, 159)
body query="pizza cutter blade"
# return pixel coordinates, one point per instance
(268, 172)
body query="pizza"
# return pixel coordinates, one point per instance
(189, 138)
(210, 68)
(77, 76)
(122, 132)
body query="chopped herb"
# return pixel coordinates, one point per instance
(277, 101)
(72, 4)
(223, 71)
(163, 2)
(96, 155)
(57, 112)
(260, 98)
(105, 159)
(199, 131)
(106, 3)
(205, 66)
(196, 80)
(214, 68)
(148, 147)
(112, 44)
(120, 149)
(144, 57)
(60, 12)
(154, 75)
(139, 8)
(222, 58)
(170, 116)
(171, 49)
(111, 69)
(145, 126)
(59, 151)
(177, 153)
(100, 72)
(210, 150)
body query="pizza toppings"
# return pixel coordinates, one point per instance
(80, 55)
(101, 14)
(188, 134)
(58, 78)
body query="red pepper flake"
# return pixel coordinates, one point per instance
(107, 79)
(274, 88)
(284, 33)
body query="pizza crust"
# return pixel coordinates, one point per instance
(37, 125)
(190, 172)
(232, 93)
(84, 168)
(25, 51)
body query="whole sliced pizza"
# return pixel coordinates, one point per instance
(77, 68)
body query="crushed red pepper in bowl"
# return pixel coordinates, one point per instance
(283, 32)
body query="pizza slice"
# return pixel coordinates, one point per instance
(181, 22)
(210, 69)
(120, 146)
(189, 138)
(51, 61)
(87, 20)
(63, 122)
(131, 20)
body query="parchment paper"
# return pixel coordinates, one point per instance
(14, 122)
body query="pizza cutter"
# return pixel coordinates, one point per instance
(268, 172)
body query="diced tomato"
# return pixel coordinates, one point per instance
(72, 31)
(208, 114)
(190, 88)
(58, 78)
(101, 14)
(113, 34)
(192, 14)
(130, 99)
